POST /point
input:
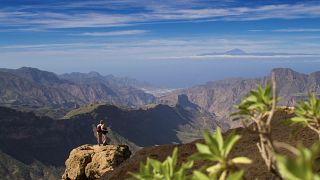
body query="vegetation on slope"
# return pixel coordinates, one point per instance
(83, 110)
(259, 107)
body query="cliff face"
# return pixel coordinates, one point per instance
(92, 161)
(219, 97)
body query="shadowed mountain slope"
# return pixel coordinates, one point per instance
(29, 138)
(160, 124)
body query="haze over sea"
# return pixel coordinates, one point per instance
(181, 73)
(174, 44)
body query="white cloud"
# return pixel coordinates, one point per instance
(137, 48)
(256, 30)
(114, 33)
(298, 30)
(150, 12)
(245, 57)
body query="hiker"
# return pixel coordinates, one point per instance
(101, 133)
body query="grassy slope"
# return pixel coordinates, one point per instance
(82, 110)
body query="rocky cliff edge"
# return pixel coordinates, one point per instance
(92, 161)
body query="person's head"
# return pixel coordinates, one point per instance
(101, 122)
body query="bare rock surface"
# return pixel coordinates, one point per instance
(92, 161)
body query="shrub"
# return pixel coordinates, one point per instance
(307, 114)
(166, 170)
(258, 108)
(217, 150)
(301, 166)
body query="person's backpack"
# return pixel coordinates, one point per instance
(99, 128)
(104, 129)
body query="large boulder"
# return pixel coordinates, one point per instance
(92, 161)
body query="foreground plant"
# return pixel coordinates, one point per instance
(307, 114)
(166, 170)
(217, 150)
(302, 166)
(258, 107)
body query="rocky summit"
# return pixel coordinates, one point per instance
(92, 161)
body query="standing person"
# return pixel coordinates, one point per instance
(100, 132)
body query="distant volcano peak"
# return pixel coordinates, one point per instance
(235, 51)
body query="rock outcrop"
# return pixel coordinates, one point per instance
(92, 161)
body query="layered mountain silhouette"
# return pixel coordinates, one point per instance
(108, 80)
(29, 140)
(32, 87)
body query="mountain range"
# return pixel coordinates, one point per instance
(37, 89)
(219, 97)
(134, 117)
(30, 140)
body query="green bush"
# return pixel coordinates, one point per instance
(258, 107)
(257, 101)
(300, 167)
(307, 114)
(217, 150)
(166, 170)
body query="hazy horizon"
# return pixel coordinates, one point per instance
(193, 72)
(167, 43)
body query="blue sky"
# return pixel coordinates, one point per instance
(125, 37)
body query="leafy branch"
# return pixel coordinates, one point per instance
(217, 150)
(302, 165)
(258, 107)
(307, 114)
(166, 170)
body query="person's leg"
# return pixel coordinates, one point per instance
(107, 139)
(99, 138)
(104, 139)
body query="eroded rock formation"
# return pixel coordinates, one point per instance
(92, 161)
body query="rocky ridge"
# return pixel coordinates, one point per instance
(31, 87)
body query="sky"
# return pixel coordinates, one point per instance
(172, 43)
